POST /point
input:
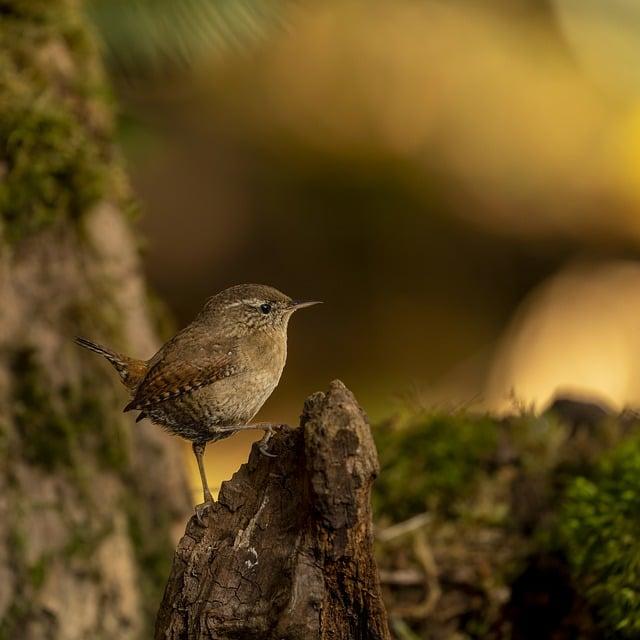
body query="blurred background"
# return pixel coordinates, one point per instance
(459, 181)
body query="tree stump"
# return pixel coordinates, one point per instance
(287, 552)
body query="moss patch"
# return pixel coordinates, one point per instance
(13, 621)
(599, 531)
(54, 170)
(55, 153)
(525, 528)
(431, 461)
(56, 429)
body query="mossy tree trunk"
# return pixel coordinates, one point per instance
(87, 500)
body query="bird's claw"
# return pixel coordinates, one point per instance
(262, 447)
(201, 509)
(265, 452)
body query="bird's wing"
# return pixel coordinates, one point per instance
(171, 377)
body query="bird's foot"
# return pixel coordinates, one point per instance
(262, 446)
(201, 510)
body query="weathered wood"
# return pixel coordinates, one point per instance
(288, 548)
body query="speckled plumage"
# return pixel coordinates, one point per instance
(218, 371)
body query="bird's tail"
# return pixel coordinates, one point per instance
(130, 370)
(111, 356)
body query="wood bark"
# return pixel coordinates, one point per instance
(287, 550)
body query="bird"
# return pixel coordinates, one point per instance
(213, 376)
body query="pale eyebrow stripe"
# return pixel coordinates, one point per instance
(253, 301)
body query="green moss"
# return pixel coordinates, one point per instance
(19, 609)
(598, 529)
(46, 437)
(55, 153)
(38, 572)
(430, 462)
(84, 541)
(57, 428)
(495, 492)
(439, 461)
(54, 170)
(13, 621)
(17, 543)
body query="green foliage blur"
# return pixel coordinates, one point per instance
(149, 37)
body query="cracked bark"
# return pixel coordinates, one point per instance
(287, 552)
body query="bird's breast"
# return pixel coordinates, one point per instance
(264, 361)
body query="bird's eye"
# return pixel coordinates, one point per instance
(265, 308)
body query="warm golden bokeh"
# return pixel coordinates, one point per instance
(578, 334)
(427, 169)
(494, 105)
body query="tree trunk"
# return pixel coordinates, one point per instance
(287, 552)
(87, 501)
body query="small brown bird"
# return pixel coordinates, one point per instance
(212, 377)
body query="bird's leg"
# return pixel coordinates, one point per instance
(268, 432)
(262, 447)
(198, 450)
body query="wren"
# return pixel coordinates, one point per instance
(212, 377)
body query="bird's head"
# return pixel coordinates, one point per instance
(246, 308)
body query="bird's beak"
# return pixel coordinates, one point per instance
(301, 304)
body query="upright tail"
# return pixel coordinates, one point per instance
(130, 370)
